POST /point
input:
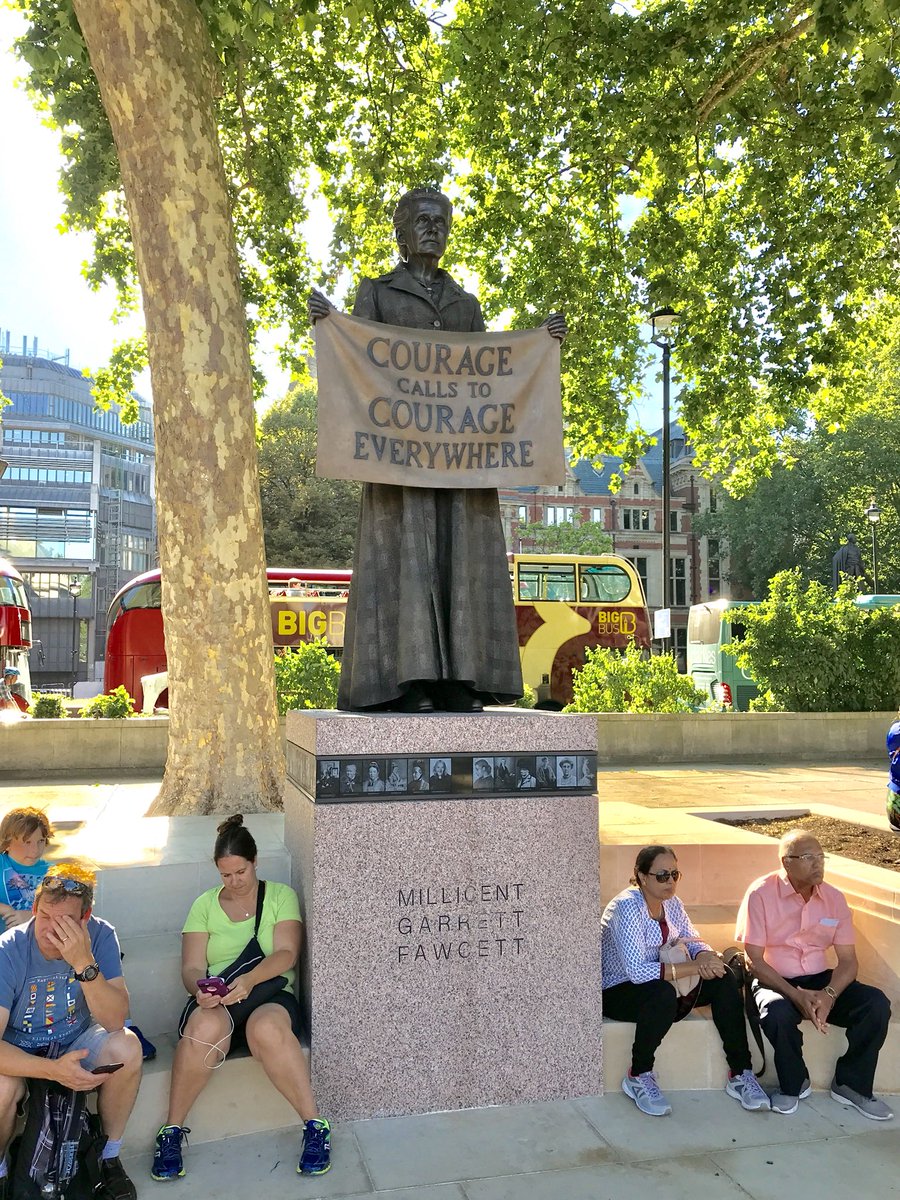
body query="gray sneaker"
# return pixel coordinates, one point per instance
(869, 1106)
(782, 1103)
(746, 1088)
(644, 1091)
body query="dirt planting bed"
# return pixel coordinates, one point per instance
(837, 837)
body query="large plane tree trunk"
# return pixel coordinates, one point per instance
(156, 71)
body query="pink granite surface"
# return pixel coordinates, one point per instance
(500, 730)
(453, 944)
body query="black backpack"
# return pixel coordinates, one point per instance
(58, 1153)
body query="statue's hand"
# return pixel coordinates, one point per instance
(556, 326)
(317, 306)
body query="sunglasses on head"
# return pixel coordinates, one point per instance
(664, 876)
(72, 887)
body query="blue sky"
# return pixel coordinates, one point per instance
(43, 293)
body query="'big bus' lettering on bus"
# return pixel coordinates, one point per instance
(617, 621)
(296, 621)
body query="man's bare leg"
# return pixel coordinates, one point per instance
(119, 1090)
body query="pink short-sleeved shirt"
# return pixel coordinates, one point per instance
(795, 934)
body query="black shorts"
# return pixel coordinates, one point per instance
(285, 999)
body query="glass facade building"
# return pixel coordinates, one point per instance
(77, 509)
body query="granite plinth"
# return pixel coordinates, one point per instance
(452, 942)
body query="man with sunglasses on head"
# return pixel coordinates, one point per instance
(61, 982)
(788, 920)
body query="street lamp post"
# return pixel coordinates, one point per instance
(873, 515)
(75, 589)
(662, 322)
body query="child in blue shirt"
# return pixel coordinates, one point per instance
(893, 792)
(24, 834)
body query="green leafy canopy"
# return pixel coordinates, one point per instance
(738, 161)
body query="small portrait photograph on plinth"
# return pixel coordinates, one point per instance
(525, 777)
(396, 778)
(565, 771)
(373, 780)
(482, 775)
(351, 778)
(418, 776)
(545, 774)
(587, 772)
(504, 773)
(328, 783)
(440, 775)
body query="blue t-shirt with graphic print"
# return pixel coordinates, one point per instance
(18, 883)
(45, 1000)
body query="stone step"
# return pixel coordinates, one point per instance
(238, 1099)
(152, 968)
(142, 900)
(691, 1057)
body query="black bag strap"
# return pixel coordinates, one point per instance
(739, 965)
(260, 900)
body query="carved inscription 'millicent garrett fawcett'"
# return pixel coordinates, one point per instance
(476, 921)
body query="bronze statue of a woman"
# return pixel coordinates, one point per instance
(430, 618)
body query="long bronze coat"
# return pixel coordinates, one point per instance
(431, 597)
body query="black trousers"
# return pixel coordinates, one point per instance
(862, 1010)
(654, 1007)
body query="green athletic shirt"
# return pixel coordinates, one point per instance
(228, 938)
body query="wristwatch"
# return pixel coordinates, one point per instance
(89, 974)
(828, 990)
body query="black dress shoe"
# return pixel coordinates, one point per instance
(414, 700)
(453, 696)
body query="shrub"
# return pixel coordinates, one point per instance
(109, 706)
(306, 677)
(616, 681)
(47, 705)
(811, 651)
(529, 700)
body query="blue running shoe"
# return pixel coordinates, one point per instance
(315, 1156)
(167, 1162)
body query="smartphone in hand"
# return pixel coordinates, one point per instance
(215, 985)
(109, 1069)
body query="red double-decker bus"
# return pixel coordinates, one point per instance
(15, 630)
(305, 604)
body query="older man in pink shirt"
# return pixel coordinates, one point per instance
(788, 922)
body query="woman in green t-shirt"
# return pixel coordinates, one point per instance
(218, 927)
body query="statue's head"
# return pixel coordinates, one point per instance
(851, 539)
(413, 210)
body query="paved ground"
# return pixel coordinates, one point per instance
(861, 787)
(600, 1148)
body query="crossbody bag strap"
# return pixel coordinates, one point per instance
(260, 900)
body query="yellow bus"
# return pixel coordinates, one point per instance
(567, 604)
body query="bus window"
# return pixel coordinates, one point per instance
(604, 584)
(704, 624)
(738, 631)
(547, 581)
(145, 595)
(11, 593)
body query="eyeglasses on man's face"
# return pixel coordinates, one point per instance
(664, 876)
(808, 858)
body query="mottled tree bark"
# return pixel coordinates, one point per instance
(156, 72)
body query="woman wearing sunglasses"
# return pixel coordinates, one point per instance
(638, 987)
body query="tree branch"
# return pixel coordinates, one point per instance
(732, 81)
